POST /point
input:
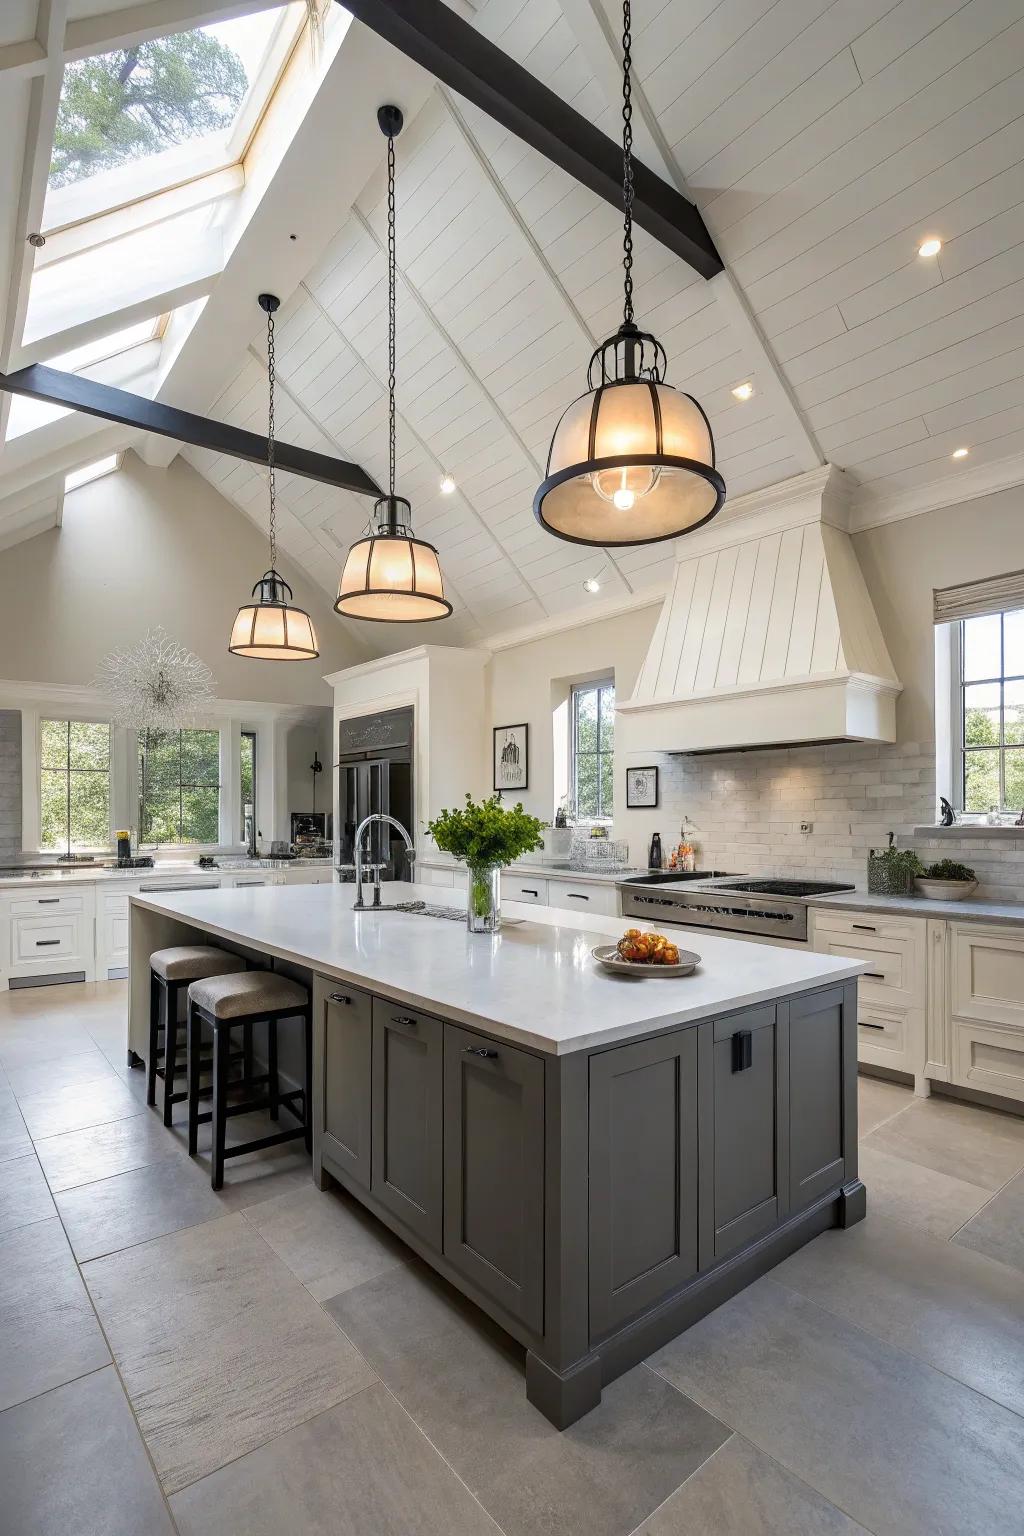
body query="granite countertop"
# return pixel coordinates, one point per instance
(535, 983)
(971, 910)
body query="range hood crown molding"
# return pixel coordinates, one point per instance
(768, 635)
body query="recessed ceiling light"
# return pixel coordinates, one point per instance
(744, 391)
(930, 247)
(960, 453)
(447, 484)
(591, 584)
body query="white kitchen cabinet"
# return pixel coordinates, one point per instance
(892, 995)
(584, 896)
(986, 1000)
(47, 934)
(112, 923)
(309, 876)
(532, 889)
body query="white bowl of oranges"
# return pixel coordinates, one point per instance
(646, 954)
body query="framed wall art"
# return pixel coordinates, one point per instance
(641, 789)
(511, 756)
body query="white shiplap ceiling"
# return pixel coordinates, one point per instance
(822, 141)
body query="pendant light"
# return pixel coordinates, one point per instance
(272, 628)
(390, 575)
(633, 460)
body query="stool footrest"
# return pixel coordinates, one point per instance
(264, 1142)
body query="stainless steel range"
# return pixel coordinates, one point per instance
(770, 908)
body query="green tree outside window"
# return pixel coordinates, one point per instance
(74, 785)
(592, 748)
(179, 786)
(992, 691)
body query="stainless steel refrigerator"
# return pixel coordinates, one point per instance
(375, 773)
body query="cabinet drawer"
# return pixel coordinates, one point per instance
(346, 1087)
(45, 939)
(407, 1100)
(494, 1170)
(891, 963)
(523, 888)
(584, 897)
(862, 925)
(987, 973)
(989, 1057)
(47, 906)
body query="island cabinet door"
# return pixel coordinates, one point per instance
(643, 1176)
(739, 1142)
(346, 1087)
(822, 1091)
(408, 1055)
(494, 1170)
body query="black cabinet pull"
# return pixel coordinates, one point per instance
(47, 901)
(742, 1050)
(42, 943)
(575, 896)
(863, 927)
(865, 1025)
(403, 1018)
(875, 975)
(480, 1050)
(525, 891)
(339, 997)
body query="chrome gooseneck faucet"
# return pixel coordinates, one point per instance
(380, 818)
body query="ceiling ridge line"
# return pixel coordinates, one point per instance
(503, 552)
(487, 170)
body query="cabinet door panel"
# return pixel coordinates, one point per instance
(494, 1170)
(643, 1160)
(816, 1095)
(746, 1193)
(347, 1079)
(407, 1116)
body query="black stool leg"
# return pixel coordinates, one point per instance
(154, 1037)
(170, 1046)
(307, 1081)
(273, 1087)
(194, 1046)
(221, 1047)
(247, 1056)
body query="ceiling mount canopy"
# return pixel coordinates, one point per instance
(272, 628)
(633, 460)
(390, 576)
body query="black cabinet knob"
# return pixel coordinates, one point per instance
(403, 1018)
(339, 997)
(480, 1050)
(742, 1050)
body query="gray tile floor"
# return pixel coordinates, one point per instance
(270, 1359)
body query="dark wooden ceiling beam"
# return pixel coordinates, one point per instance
(435, 37)
(94, 399)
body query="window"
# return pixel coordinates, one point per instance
(248, 783)
(179, 786)
(591, 744)
(74, 789)
(991, 678)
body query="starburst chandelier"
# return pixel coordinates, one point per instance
(157, 683)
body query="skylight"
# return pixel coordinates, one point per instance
(92, 471)
(141, 119)
(27, 414)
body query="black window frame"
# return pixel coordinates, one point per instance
(600, 686)
(961, 685)
(143, 743)
(247, 736)
(66, 772)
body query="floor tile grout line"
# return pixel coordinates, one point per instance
(730, 1437)
(59, 1387)
(985, 1207)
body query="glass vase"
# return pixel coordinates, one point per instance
(483, 908)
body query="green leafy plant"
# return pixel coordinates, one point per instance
(484, 832)
(949, 869)
(891, 872)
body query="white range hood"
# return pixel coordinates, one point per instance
(768, 636)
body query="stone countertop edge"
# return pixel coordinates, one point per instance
(664, 997)
(971, 910)
(539, 871)
(156, 872)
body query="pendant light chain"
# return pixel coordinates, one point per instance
(271, 449)
(627, 160)
(391, 312)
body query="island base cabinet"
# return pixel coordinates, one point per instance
(822, 1077)
(345, 1099)
(494, 1170)
(643, 1176)
(741, 1149)
(406, 1098)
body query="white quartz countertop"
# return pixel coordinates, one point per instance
(970, 910)
(162, 871)
(536, 868)
(535, 982)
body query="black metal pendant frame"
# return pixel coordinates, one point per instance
(272, 591)
(629, 461)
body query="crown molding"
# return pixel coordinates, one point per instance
(69, 696)
(871, 510)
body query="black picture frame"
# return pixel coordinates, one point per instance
(642, 805)
(514, 740)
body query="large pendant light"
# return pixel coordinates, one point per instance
(272, 628)
(391, 576)
(633, 460)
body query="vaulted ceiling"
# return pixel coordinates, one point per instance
(822, 142)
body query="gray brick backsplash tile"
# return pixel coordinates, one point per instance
(10, 781)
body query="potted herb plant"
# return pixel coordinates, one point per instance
(891, 870)
(486, 837)
(946, 881)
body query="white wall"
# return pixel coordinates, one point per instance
(144, 547)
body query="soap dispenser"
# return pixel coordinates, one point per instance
(654, 853)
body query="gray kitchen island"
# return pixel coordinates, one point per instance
(595, 1160)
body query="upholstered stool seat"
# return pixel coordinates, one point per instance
(189, 962)
(170, 972)
(243, 999)
(247, 992)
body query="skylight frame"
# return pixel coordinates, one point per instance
(85, 474)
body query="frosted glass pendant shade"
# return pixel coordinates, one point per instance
(272, 628)
(391, 576)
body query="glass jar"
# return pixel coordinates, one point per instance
(483, 906)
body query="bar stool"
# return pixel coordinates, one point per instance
(171, 970)
(242, 999)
